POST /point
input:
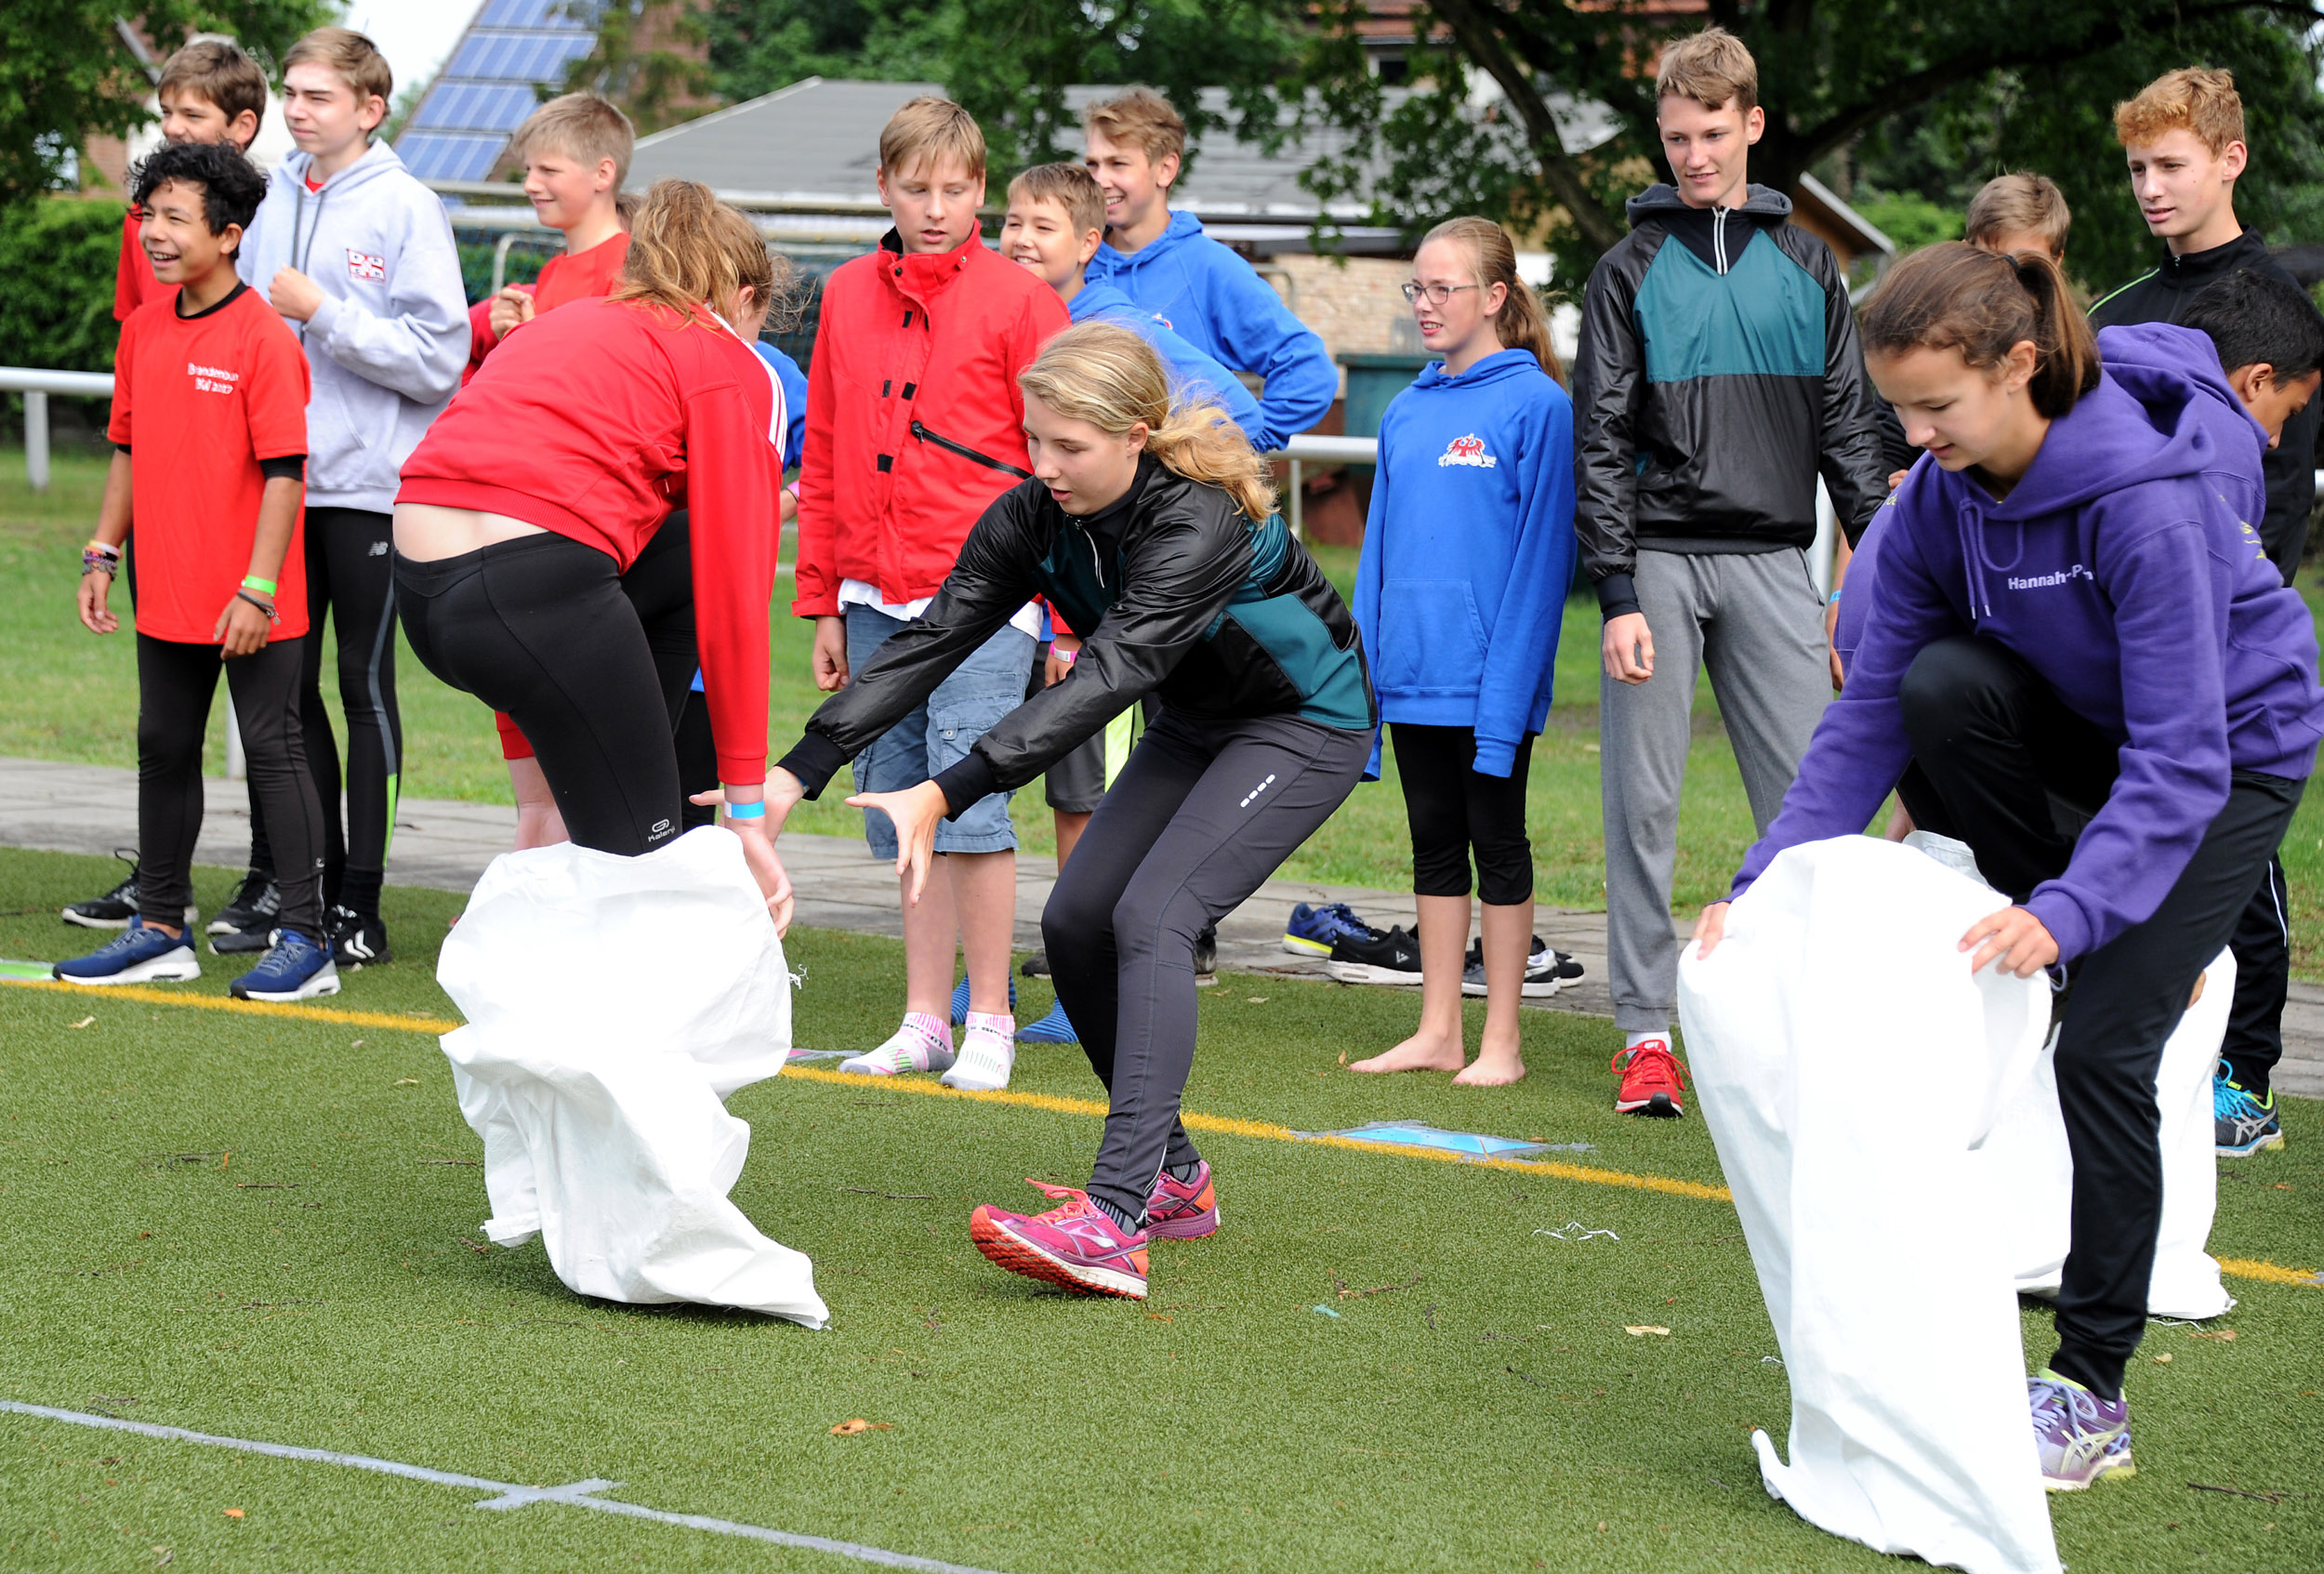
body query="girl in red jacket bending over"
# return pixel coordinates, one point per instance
(551, 472)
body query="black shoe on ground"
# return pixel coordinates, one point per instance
(1207, 951)
(1547, 972)
(256, 904)
(1036, 965)
(358, 940)
(115, 908)
(1375, 958)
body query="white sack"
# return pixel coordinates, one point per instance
(1848, 1061)
(2034, 1170)
(612, 1005)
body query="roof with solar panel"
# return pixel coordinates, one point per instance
(513, 53)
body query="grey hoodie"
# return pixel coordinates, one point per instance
(387, 346)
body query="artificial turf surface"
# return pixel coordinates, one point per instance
(1481, 1407)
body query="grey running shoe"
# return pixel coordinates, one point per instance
(1547, 972)
(2242, 1124)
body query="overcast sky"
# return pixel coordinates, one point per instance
(415, 36)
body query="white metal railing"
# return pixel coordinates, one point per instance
(36, 385)
(1303, 451)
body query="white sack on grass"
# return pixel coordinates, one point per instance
(612, 1005)
(1847, 1062)
(2035, 1170)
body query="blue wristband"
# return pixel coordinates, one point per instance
(747, 811)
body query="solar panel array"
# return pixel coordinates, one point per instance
(513, 51)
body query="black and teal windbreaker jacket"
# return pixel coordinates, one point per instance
(1716, 378)
(1223, 618)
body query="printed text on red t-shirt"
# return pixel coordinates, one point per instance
(212, 379)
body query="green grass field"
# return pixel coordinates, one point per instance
(264, 1227)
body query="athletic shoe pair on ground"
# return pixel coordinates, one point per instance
(245, 925)
(293, 968)
(1077, 1247)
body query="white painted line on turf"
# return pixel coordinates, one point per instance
(577, 1494)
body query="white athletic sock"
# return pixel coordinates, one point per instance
(1631, 1040)
(989, 1053)
(923, 1043)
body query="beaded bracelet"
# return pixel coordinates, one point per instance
(98, 558)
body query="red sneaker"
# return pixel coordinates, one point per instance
(1182, 1209)
(1652, 1078)
(1074, 1246)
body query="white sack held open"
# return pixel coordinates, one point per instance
(612, 1004)
(1840, 989)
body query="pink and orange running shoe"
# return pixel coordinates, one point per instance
(1182, 1209)
(1074, 1246)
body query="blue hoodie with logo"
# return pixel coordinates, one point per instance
(1467, 552)
(1189, 367)
(2118, 572)
(1213, 299)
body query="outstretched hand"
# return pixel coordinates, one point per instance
(2015, 938)
(916, 812)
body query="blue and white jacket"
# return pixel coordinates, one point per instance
(1192, 369)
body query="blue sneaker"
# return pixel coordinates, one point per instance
(137, 956)
(2241, 1124)
(1313, 931)
(295, 968)
(1052, 1029)
(960, 1002)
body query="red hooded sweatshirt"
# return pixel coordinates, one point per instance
(598, 420)
(913, 419)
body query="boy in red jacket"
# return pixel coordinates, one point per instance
(913, 425)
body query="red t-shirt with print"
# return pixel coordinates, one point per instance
(199, 401)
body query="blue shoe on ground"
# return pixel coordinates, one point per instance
(2242, 1123)
(960, 1003)
(1052, 1029)
(295, 968)
(1313, 931)
(137, 956)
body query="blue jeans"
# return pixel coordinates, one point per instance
(980, 692)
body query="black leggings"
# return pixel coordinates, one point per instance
(1994, 744)
(1203, 812)
(1451, 807)
(540, 628)
(350, 580)
(175, 685)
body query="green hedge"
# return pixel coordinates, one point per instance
(59, 255)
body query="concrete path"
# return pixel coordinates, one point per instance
(444, 844)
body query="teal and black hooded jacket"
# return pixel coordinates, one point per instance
(1220, 616)
(1719, 373)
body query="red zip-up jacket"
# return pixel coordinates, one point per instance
(913, 419)
(594, 423)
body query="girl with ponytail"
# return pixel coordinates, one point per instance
(535, 564)
(1152, 525)
(2067, 610)
(1460, 592)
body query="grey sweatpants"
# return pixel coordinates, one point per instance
(1754, 619)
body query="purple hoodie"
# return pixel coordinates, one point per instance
(2139, 356)
(2119, 574)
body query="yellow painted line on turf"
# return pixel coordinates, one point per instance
(1057, 1103)
(1268, 1131)
(228, 1003)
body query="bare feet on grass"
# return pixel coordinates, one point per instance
(1422, 1051)
(1496, 1065)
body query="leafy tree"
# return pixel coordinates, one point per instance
(647, 60)
(2004, 84)
(67, 70)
